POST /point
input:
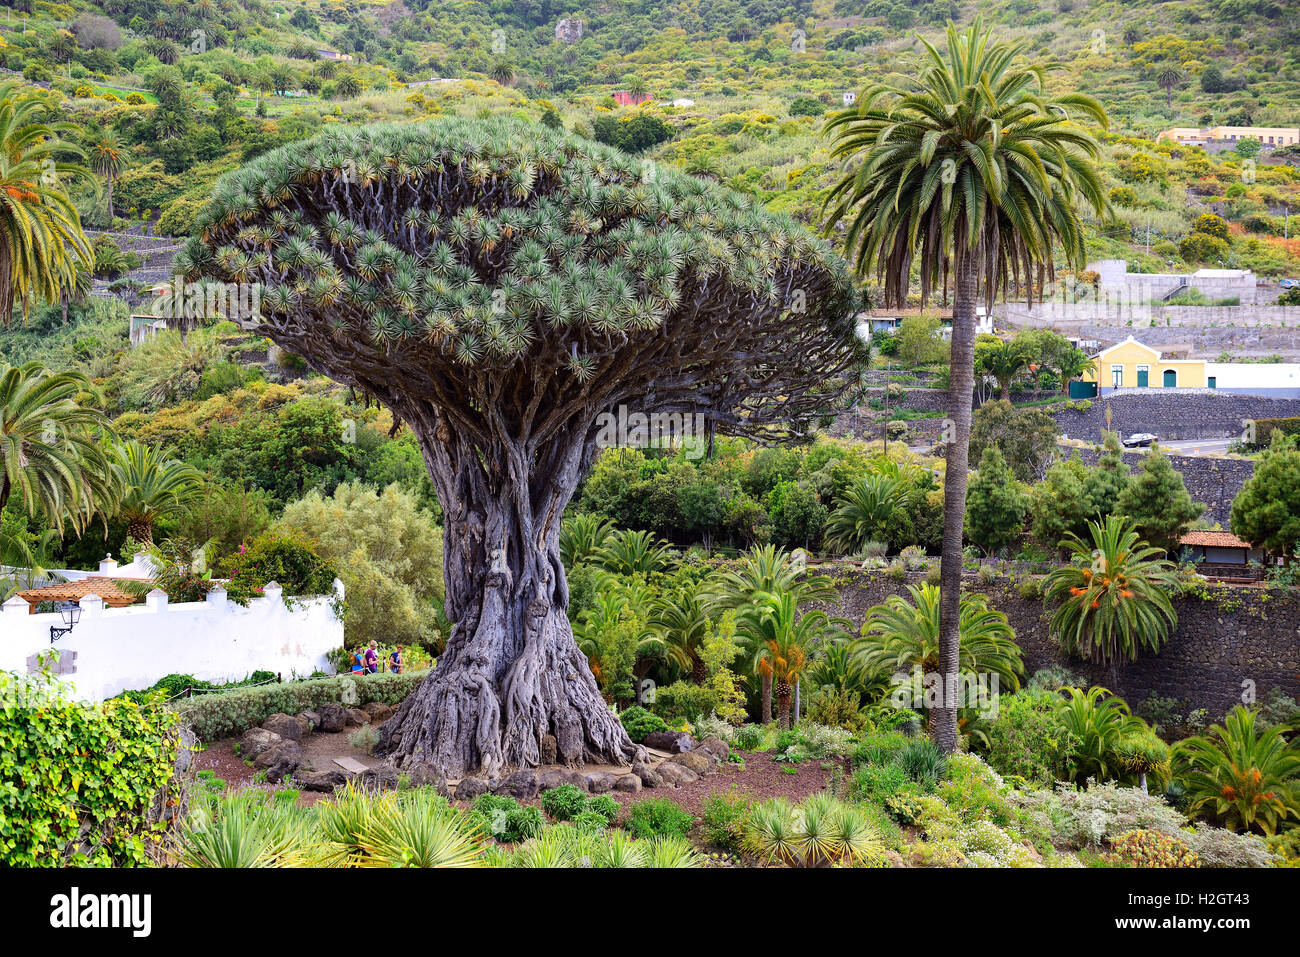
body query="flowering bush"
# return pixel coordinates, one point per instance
(1144, 848)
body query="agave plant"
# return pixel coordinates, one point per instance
(671, 851)
(345, 820)
(1243, 775)
(1114, 595)
(620, 850)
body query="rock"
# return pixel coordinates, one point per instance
(378, 711)
(674, 742)
(629, 783)
(188, 745)
(577, 779)
(280, 761)
(355, 718)
(548, 749)
(521, 785)
(325, 781)
(426, 776)
(285, 726)
(552, 779)
(382, 778)
(676, 774)
(311, 717)
(470, 788)
(715, 746)
(256, 741)
(697, 762)
(647, 775)
(332, 717)
(598, 782)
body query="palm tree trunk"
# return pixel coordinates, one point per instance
(783, 703)
(961, 382)
(699, 673)
(767, 699)
(798, 710)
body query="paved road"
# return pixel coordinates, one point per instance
(1196, 446)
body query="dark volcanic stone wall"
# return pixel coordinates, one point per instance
(1172, 415)
(1231, 636)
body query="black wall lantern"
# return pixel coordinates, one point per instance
(71, 612)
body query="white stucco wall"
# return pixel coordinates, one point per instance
(118, 649)
(1254, 375)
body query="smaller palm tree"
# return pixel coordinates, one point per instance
(1114, 595)
(108, 159)
(779, 638)
(863, 513)
(632, 553)
(1169, 77)
(1002, 359)
(1243, 775)
(1107, 732)
(581, 537)
(681, 623)
(153, 488)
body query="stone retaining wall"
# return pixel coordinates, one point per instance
(1233, 640)
(1171, 414)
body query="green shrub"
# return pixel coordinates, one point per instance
(749, 737)
(79, 783)
(658, 817)
(1028, 740)
(590, 822)
(564, 803)
(638, 722)
(222, 715)
(605, 806)
(506, 819)
(724, 820)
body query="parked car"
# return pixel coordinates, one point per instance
(1139, 439)
(1289, 283)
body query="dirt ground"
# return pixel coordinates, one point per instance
(760, 778)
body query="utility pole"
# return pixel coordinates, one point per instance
(1148, 235)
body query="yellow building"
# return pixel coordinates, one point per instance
(1132, 365)
(1267, 135)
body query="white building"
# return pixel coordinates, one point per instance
(1269, 379)
(1118, 284)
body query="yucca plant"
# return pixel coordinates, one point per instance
(671, 851)
(820, 832)
(1241, 774)
(621, 850)
(244, 831)
(420, 832)
(1114, 594)
(345, 820)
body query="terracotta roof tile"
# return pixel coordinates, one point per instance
(1213, 538)
(105, 588)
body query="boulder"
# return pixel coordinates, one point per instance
(382, 778)
(628, 783)
(325, 781)
(257, 740)
(715, 746)
(426, 776)
(285, 726)
(697, 762)
(646, 775)
(552, 779)
(598, 782)
(280, 761)
(675, 775)
(332, 716)
(674, 742)
(470, 788)
(548, 749)
(378, 711)
(355, 718)
(577, 779)
(311, 717)
(522, 785)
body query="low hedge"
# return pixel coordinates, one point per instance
(228, 713)
(1264, 429)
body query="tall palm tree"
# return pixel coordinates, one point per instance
(41, 240)
(50, 453)
(153, 487)
(108, 158)
(1168, 78)
(969, 169)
